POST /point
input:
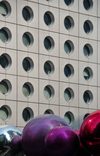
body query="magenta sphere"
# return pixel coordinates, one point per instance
(35, 131)
(16, 144)
(90, 133)
(62, 141)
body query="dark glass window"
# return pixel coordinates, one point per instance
(87, 4)
(27, 13)
(86, 97)
(47, 18)
(4, 87)
(4, 35)
(4, 61)
(67, 71)
(47, 43)
(26, 40)
(68, 2)
(3, 9)
(26, 115)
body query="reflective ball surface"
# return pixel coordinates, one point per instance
(7, 133)
(16, 144)
(81, 151)
(34, 133)
(90, 133)
(62, 141)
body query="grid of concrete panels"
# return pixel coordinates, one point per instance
(51, 59)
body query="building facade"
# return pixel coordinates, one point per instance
(49, 60)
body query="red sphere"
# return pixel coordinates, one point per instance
(81, 151)
(90, 133)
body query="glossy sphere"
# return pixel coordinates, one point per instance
(16, 144)
(90, 133)
(62, 141)
(81, 151)
(7, 133)
(35, 131)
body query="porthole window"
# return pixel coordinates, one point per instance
(48, 18)
(27, 39)
(69, 118)
(5, 8)
(69, 2)
(68, 22)
(28, 64)
(48, 92)
(27, 13)
(5, 61)
(87, 96)
(68, 70)
(88, 4)
(48, 111)
(27, 114)
(5, 112)
(68, 46)
(87, 73)
(5, 86)
(27, 89)
(88, 50)
(68, 94)
(88, 27)
(48, 67)
(5, 35)
(87, 114)
(48, 43)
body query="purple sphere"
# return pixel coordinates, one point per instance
(16, 144)
(62, 141)
(34, 133)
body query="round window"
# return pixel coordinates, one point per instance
(5, 86)
(48, 92)
(68, 47)
(86, 115)
(5, 112)
(48, 18)
(88, 26)
(5, 8)
(27, 89)
(88, 50)
(5, 61)
(88, 4)
(68, 94)
(68, 70)
(28, 64)
(69, 2)
(48, 43)
(27, 114)
(87, 73)
(87, 96)
(48, 111)
(27, 39)
(69, 117)
(68, 22)
(5, 35)
(27, 13)
(48, 67)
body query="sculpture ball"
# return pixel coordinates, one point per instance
(90, 133)
(81, 151)
(62, 141)
(34, 133)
